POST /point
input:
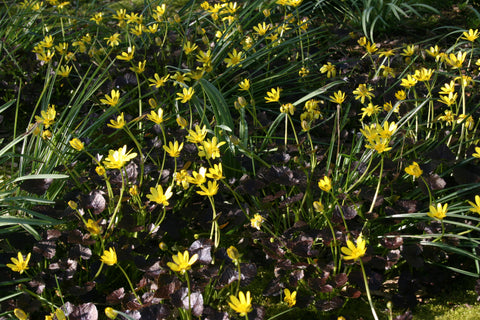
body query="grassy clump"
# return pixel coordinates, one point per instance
(231, 159)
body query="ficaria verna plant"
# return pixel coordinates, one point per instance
(232, 160)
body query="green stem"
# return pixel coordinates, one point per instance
(368, 291)
(130, 283)
(215, 232)
(378, 186)
(189, 298)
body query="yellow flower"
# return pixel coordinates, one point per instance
(182, 262)
(19, 265)
(182, 122)
(448, 88)
(76, 144)
(386, 53)
(60, 315)
(408, 82)
(371, 47)
(475, 206)
(370, 110)
(233, 254)
(210, 148)
(456, 61)
(469, 122)
(423, 74)
(116, 159)
(290, 298)
(318, 206)
(329, 69)
(173, 149)
(414, 170)
(113, 99)
(242, 304)
(181, 178)
(198, 178)
(287, 108)
(363, 91)
(325, 184)
(449, 117)
(471, 35)
(353, 252)
(387, 71)
(450, 99)
(234, 58)
(189, 48)
(109, 257)
(438, 212)
(153, 28)
(157, 81)
(112, 41)
(64, 71)
(100, 170)
(117, 124)
(338, 97)
(93, 227)
(204, 57)
(261, 29)
(408, 51)
(379, 144)
(73, 205)
(401, 95)
(244, 85)
(476, 154)
(186, 95)
(156, 117)
(157, 195)
(47, 117)
(433, 51)
(97, 17)
(140, 67)
(20, 314)
(273, 95)
(110, 313)
(362, 41)
(215, 173)
(256, 221)
(127, 56)
(46, 56)
(209, 191)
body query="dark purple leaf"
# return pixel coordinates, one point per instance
(353, 293)
(95, 202)
(434, 181)
(180, 299)
(80, 291)
(203, 248)
(80, 252)
(326, 288)
(45, 248)
(413, 254)
(116, 296)
(155, 312)
(391, 241)
(297, 197)
(406, 316)
(211, 314)
(86, 311)
(273, 288)
(340, 280)
(329, 305)
(36, 186)
(258, 313)
(167, 284)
